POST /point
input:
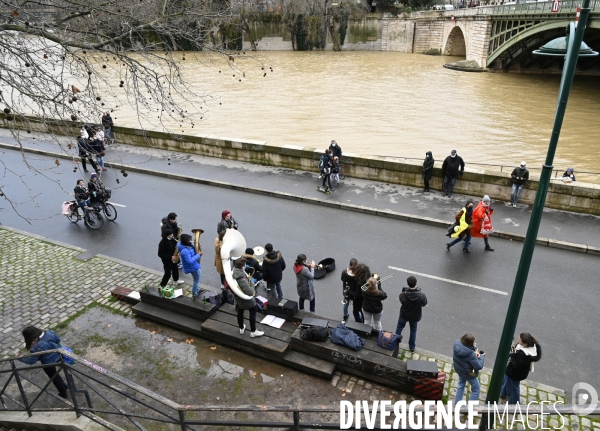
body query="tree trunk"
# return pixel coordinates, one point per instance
(336, 42)
(246, 28)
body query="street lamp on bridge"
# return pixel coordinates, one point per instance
(571, 48)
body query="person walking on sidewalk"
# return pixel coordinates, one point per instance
(452, 167)
(462, 232)
(37, 340)
(467, 363)
(218, 260)
(190, 261)
(304, 282)
(411, 310)
(349, 290)
(520, 363)
(372, 305)
(482, 221)
(519, 176)
(273, 267)
(245, 304)
(427, 170)
(167, 251)
(227, 222)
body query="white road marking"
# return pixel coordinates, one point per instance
(474, 286)
(117, 205)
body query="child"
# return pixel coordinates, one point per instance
(335, 170)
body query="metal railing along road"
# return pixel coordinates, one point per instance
(105, 397)
(523, 8)
(502, 168)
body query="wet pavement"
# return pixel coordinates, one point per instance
(556, 224)
(561, 283)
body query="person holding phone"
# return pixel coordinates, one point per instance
(467, 363)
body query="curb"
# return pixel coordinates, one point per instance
(511, 236)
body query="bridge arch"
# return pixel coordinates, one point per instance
(456, 44)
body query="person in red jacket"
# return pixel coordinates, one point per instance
(482, 221)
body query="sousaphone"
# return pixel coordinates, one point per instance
(234, 244)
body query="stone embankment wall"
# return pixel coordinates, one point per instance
(578, 197)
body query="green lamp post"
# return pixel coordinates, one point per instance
(571, 48)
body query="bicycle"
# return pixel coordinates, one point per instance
(341, 173)
(106, 207)
(92, 217)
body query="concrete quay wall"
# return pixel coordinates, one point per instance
(577, 197)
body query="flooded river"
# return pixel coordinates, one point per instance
(397, 104)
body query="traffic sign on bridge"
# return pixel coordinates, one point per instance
(555, 6)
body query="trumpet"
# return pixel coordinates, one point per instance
(197, 246)
(346, 297)
(376, 277)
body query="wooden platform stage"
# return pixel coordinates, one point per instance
(283, 345)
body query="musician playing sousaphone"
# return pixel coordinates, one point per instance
(242, 304)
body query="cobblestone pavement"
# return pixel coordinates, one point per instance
(44, 283)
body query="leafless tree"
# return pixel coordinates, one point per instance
(64, 62)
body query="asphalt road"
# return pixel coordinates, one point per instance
(560, 307)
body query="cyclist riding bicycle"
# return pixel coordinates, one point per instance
(81, 195)
(95, 189)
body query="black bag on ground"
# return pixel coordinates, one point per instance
(314, 333)
(228, 297)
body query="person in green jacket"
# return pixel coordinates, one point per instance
(245, 304)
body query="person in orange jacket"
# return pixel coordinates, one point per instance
(482, 221)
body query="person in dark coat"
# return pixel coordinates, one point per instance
(362, 273)
(81, 195)
(411, 311)
(227, 222)
(37, 340)
(325, 166)
(452, 167)
(95, 188)
(304, 282)
(372, 305)
(569, 175)
(167, 251)
(273, 267)
(520, 363)
(519, 176)
(253, 263)
(245, 304)
(427, 169)
(85, 152)
(348, 287)
(107, 123)
(170, 222)
(336, 150)
(467, 363)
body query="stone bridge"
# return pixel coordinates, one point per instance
(499, 37)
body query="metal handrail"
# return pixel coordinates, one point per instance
(556, 171)
(179, 416)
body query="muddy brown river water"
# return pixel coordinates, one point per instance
(398, 105)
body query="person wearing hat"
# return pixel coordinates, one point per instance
(190, 261)
(569, 175)
(167, 248)
(253, 263)
(482, 221)
(95, 188)
(227, 222)
(519, 175)
(452, 167)
(464, 223)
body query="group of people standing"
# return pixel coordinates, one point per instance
(468, 361)
(329, 165)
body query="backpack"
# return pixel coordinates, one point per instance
(314, 333)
